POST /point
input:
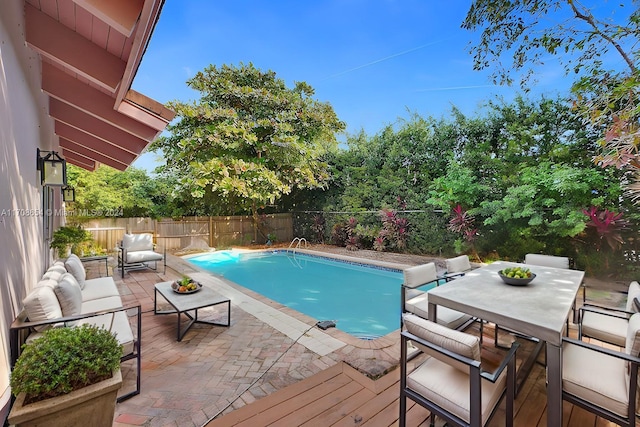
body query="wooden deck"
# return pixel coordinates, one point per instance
(342, 396)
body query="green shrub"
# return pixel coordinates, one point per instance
(64, 360)
(69, 236)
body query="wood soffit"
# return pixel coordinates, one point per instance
(90, 51)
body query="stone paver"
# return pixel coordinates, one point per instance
(216, 369)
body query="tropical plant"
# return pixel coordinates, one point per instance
(394, 232)
(608, 226)
(69, 237)
(317, 227)
(63, 360)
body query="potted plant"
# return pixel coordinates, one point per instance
(66, 377)
(67, 237)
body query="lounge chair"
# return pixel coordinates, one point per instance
(416, 301)
(136, 251)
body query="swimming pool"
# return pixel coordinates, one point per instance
(364, 301)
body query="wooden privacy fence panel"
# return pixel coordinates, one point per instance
(216, 232)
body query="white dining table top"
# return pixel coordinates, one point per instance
(539, 309)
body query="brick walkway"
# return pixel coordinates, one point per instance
(216, 369)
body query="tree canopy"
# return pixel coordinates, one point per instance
(249, 139)
(597, 44)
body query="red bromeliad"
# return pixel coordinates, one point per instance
(607, 224)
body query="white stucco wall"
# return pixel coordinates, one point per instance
(24, 127)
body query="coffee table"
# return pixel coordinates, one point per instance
(185, 303)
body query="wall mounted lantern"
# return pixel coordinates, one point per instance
(53, 169)
(68, 194)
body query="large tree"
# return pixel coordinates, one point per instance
(249, 139)
(597, 43)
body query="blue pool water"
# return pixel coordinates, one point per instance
(363, 301)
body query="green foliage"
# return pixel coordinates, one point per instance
(70, 237)
(580, 37)
(249, 139)
(64, 360)
(517, 35)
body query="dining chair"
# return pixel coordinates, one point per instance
(416, 301)
(456, 267)
(450, 382)
(603, 381)
(608, 324)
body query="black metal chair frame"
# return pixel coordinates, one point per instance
(19, 331)
(476, 374)
(123, 266)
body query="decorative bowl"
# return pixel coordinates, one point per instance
(516, 282)
(191, 291)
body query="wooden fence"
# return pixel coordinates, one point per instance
(215, 232)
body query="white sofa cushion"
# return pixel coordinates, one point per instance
(142, 256)
(420, 275)
(42, 304)
(75, 267)
(69, 295)
(98, 288)
(55, 271)
(138, 242)
(105, 303)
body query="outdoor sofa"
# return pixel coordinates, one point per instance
(65, 298)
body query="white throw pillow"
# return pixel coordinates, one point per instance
(69, 295)
(42, 304)
(75, 267)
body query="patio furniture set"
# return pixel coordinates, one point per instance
(451, 383)
(64, 297)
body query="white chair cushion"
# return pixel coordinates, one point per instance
(605, 328)
(41, 304)
(632, 342)
(69, 295)
(595, 377)
(455, 341)
(547, 260)
(634, 292)
(452, 319)
(458, 264)
(142, 256)
(449, 388)
(420, 275)
(75, 267)
(138, 242)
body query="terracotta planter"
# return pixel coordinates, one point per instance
(92, 405)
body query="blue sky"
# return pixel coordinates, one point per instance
(375, 61)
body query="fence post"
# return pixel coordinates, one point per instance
(211, 232)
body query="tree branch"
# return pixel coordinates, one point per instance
(589, 19)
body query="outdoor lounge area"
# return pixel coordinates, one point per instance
(253, 374)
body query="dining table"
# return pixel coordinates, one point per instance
(539, 309)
